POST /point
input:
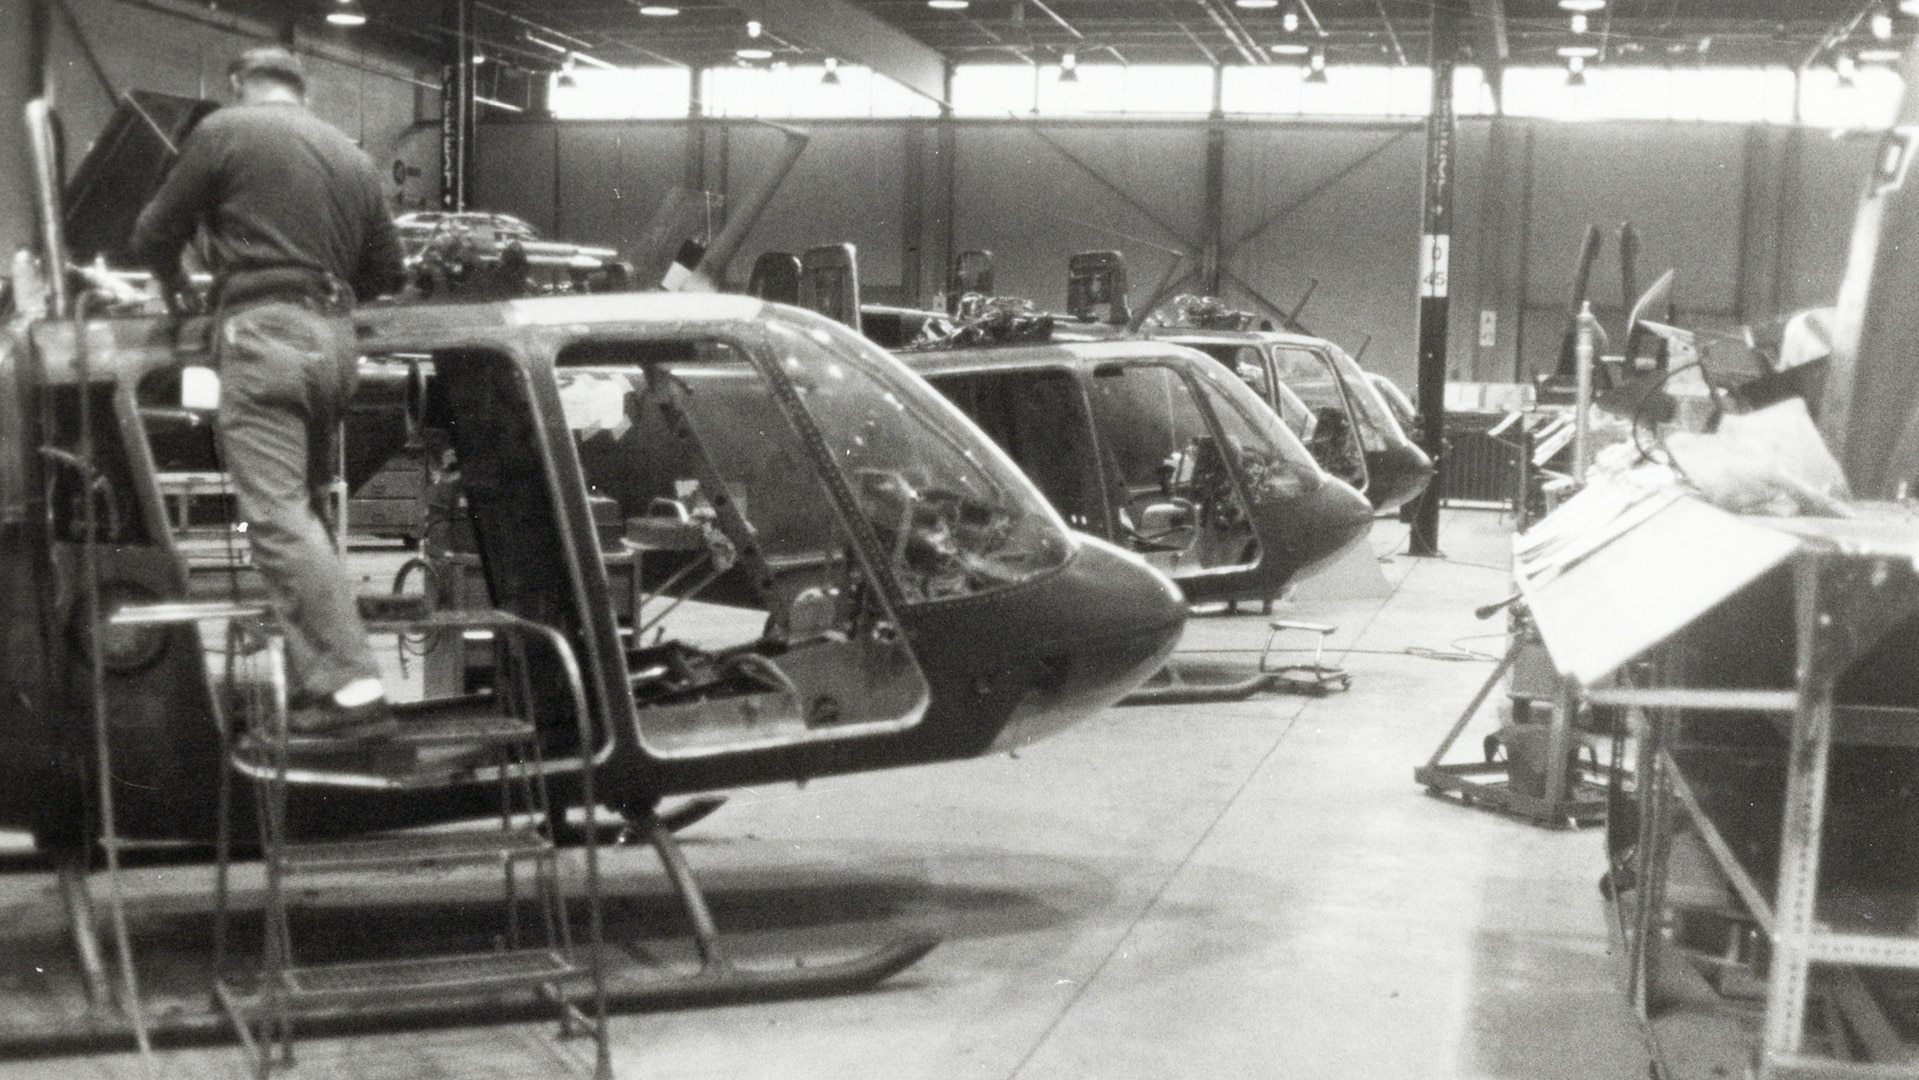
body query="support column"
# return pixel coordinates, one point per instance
(912, 212)
(456, 105)
(693, 166)
(1435, 263)
(1213, 238)
(945, 168)
(23, 35)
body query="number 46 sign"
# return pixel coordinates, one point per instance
(1433, 263)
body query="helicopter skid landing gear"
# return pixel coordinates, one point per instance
(77, 899)
(1196, 683)
(691, 812)
(719, 981)
(1172, 685)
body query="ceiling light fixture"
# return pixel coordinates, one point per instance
(1846, 68)
(1586, 6)
(1578, 52)
(1878, 56)
(566, 81)
(753, 52)
(1909, 7)
(1291, 48)
(1579, 22)
(1316, 66)
(1068, 67)
(832, 76)
(948, 5)
(754, 28)
(1576, 71)
(659, 11)
(1256, 5)
(1881, 24)
(348, 13)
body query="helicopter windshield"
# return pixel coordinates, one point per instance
(1338, 435)
(1039, 417)
(952, 519)
(955, 515)
(1377, 424)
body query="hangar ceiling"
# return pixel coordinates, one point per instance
(705, 32)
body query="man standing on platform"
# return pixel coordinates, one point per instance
(296, 229)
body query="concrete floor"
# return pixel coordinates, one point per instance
(1246, 890)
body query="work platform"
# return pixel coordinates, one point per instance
(1252, 889)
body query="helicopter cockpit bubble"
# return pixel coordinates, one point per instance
(695, 426)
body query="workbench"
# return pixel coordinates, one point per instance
(1762, 664)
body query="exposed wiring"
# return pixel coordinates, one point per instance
(1645, 399)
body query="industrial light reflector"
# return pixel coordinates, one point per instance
(347, 14)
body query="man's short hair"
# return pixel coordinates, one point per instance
(270, 62)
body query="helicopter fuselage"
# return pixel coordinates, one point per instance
(921, 601)
(1159, 449)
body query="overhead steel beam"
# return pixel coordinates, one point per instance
(1054, 15)
(1392, 32)
(1249, 50)
(1839, 33)
(1211, 57)
(850, 33)
(1312, 17)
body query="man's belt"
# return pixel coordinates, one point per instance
(297, 284)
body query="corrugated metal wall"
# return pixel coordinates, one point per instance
(1754, 219)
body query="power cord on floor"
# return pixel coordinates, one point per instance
(1457, 562)
(1422, 651)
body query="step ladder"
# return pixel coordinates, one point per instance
(478, 739)
(75, 889)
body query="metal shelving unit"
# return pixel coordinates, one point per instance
(1852, 581)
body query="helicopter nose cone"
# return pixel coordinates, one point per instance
(1111, 621)
(1335, 518)
(1401, 477)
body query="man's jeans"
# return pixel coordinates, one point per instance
(286, 372)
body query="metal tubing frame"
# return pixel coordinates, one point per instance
(1837, 614)
(1810, 753)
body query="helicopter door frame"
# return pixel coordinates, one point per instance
(1347, 405)
(1186, 379)
(756, 350)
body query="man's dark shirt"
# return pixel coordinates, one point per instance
(278, 188)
